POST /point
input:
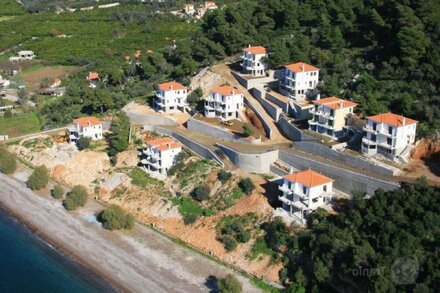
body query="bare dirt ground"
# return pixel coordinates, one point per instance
(143, 109)
(33, 78)
(205, 79)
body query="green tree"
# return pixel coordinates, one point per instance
(224, 176)
(229, 284)
(246, 185)
(76, 198)
(84, 142)
(57, 192)
(39, 178)
(8, 162)
(115, 218)
(201, 192)
(248, 131)
(120, 129)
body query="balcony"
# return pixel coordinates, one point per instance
(285, 189)
(159, 95)
(283, 199)
(313, 122)
(368, 141)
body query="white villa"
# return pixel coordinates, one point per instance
(251, 61)
(89, 127)
(171, 96)
(93, 78)
(159, 155)
(330, 116)
(304, 192)
(388, 134)
(23, 55)
(224, 102)
(298, 80)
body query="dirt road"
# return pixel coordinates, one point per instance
(140, 261)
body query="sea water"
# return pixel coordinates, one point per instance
(28, 264)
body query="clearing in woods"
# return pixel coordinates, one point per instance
(33, 76)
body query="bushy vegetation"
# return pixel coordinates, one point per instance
(224, 176)
(84, 142)
(57, 191)
(120, 129)
(115, 218)
(229, 284)
(179, 165)
(142, 179)
(10, 8)
(20, 124)
(247, 130)
(39, 178)
(8, 162)
(76, 198)
(246, 185)
(201, 192)
(383, 244)
(190, 209)
(232, 230)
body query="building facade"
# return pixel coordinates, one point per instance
(304, 192)
(159, 155)
(89, 127)
(388, 134)
(330, 116)
(252, 61)
(171, 96)
(298, 80)
(224, 102)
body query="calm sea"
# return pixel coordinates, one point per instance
(28, 264)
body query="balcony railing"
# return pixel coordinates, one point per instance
(285, 189)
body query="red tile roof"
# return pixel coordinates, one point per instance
(335, 103)
(308, 178)
(165, 143)
(93, 76)
(301, 67)
(87, 121)
(171, 86)
(226, 90)
(392, 119)
(256, 50)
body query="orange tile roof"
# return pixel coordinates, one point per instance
(93, 76)
(56, 79)
(226, 90)
(335, 103)
(308, 178)
(392, 119)
(137, 54)
(256, 50)
(165, 143)
(301, 67)
(171, 86)
(87, 121)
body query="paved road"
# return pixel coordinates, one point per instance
(142, 261)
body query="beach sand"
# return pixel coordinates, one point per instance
(141, 260)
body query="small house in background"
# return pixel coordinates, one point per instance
(251, 61)
(159, 155)
(56, 82)
(298, 80)
(304, 192)
(330, 116)
(206, 6)
(189, 9)
(390, 135)
(23, 55)
(224, 102)
(171, 96)
(89, 127)
(93, 78)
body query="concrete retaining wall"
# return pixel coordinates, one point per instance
(328, 153)
(223, 134)
(288, 129)
(252, 82)
(259, 94)
(150, 119)
(266, 126)
(257, 163)
(197, 148)
(345, 180)
(275, 100)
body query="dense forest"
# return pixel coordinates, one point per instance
(388, 243)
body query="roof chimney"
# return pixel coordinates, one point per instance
(403, 120)
(302, 67)
(341, 104)
(318, 97)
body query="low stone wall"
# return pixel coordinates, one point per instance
(345, 180)
(275, 100)
(288, 129)
(256, 163)
(151, 119)
(266, 126)
(223, 134)
(252, 82)
(278, 171)
(197, 148)
(259, 94)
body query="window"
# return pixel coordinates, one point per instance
(374, 125)
(304, 190)
(373, 137)
(332, 112)
(389, 141)
(390, 130)
(324, 188)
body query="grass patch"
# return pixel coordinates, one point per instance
(230, 197)
(10, 8)
(260, 247)
(142, 178)
(189, 207)
(38, 143)
(21, 124)
(194, 173)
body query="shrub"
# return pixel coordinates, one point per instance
(229, 242)
(190, 219)
(57, 192)
(195, 96)
(224, 176)
(229, 284)
(201, 192)
(8, 113)
(39, 178)
(76, 198)
(248, 131)
(246, 185)
(84, 142)
(8, 163)
(115, 218)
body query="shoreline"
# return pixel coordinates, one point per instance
(69, 255)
